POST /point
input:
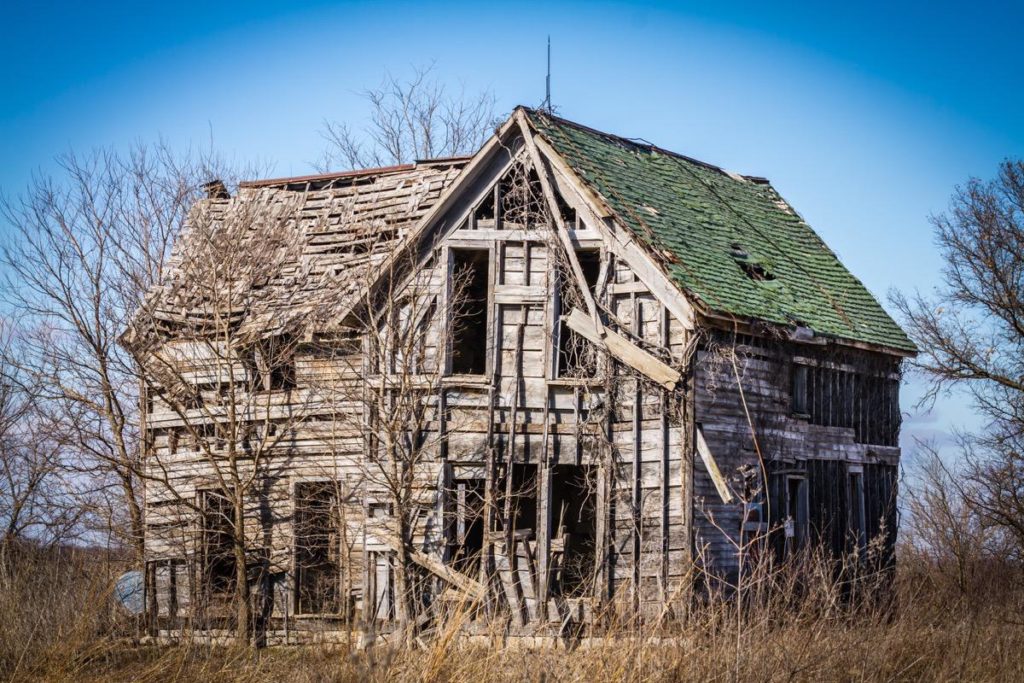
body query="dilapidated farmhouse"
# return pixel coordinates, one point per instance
(555, 376)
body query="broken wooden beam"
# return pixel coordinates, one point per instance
(623, 349)
(546, 183)
(716, 474)
(471, 587)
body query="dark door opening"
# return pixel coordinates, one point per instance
(795, 522)
(574, 528)
(467, 530)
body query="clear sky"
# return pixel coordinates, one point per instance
(864, 115)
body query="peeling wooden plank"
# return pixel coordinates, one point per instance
(709, 462)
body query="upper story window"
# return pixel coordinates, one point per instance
(798, 390)
(575, 354)
(471, 271)
(830, 397)
(271, 364)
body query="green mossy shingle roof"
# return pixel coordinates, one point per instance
(731, 242)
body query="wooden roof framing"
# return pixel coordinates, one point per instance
(410, 207)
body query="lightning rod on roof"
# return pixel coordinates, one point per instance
(547, 82)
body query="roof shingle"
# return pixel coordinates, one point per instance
(731, 242)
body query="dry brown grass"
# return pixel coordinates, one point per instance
(57, 626)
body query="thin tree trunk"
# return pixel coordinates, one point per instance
(243, 603)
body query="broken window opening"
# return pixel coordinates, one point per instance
(218, 555)
(522, 204)
(317, 548)
(471, 269)
(270, 364)
(576, 355)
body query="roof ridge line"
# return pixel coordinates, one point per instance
(645, 144)
(354, 173)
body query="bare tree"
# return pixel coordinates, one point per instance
(216, 343)
(943, 529)
(86, 245)
(411, 119)
(34, 501)
(971, 335)
(404, 334)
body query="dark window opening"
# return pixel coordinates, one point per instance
(218, 554)
(576, 356)
(271, 364)
(317, 548)
(469, 339)
(590, 264)
(829, 397)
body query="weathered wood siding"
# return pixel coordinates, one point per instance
(825, 453)
(656, 505)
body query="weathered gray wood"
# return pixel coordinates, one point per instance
(642, 451)
(470, 587)
(544, 174)
(503, 565)
(709, 462)
(624, 350)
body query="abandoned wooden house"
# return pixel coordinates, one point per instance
(560, 374)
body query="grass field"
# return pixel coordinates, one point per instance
(58, 624)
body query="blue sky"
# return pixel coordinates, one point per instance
(864, 115)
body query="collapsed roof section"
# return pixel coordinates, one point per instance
(334, 230)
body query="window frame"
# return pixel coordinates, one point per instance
(489, 313)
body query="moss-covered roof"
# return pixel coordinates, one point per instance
(730, 242)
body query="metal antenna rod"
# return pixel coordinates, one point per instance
(547, 96)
